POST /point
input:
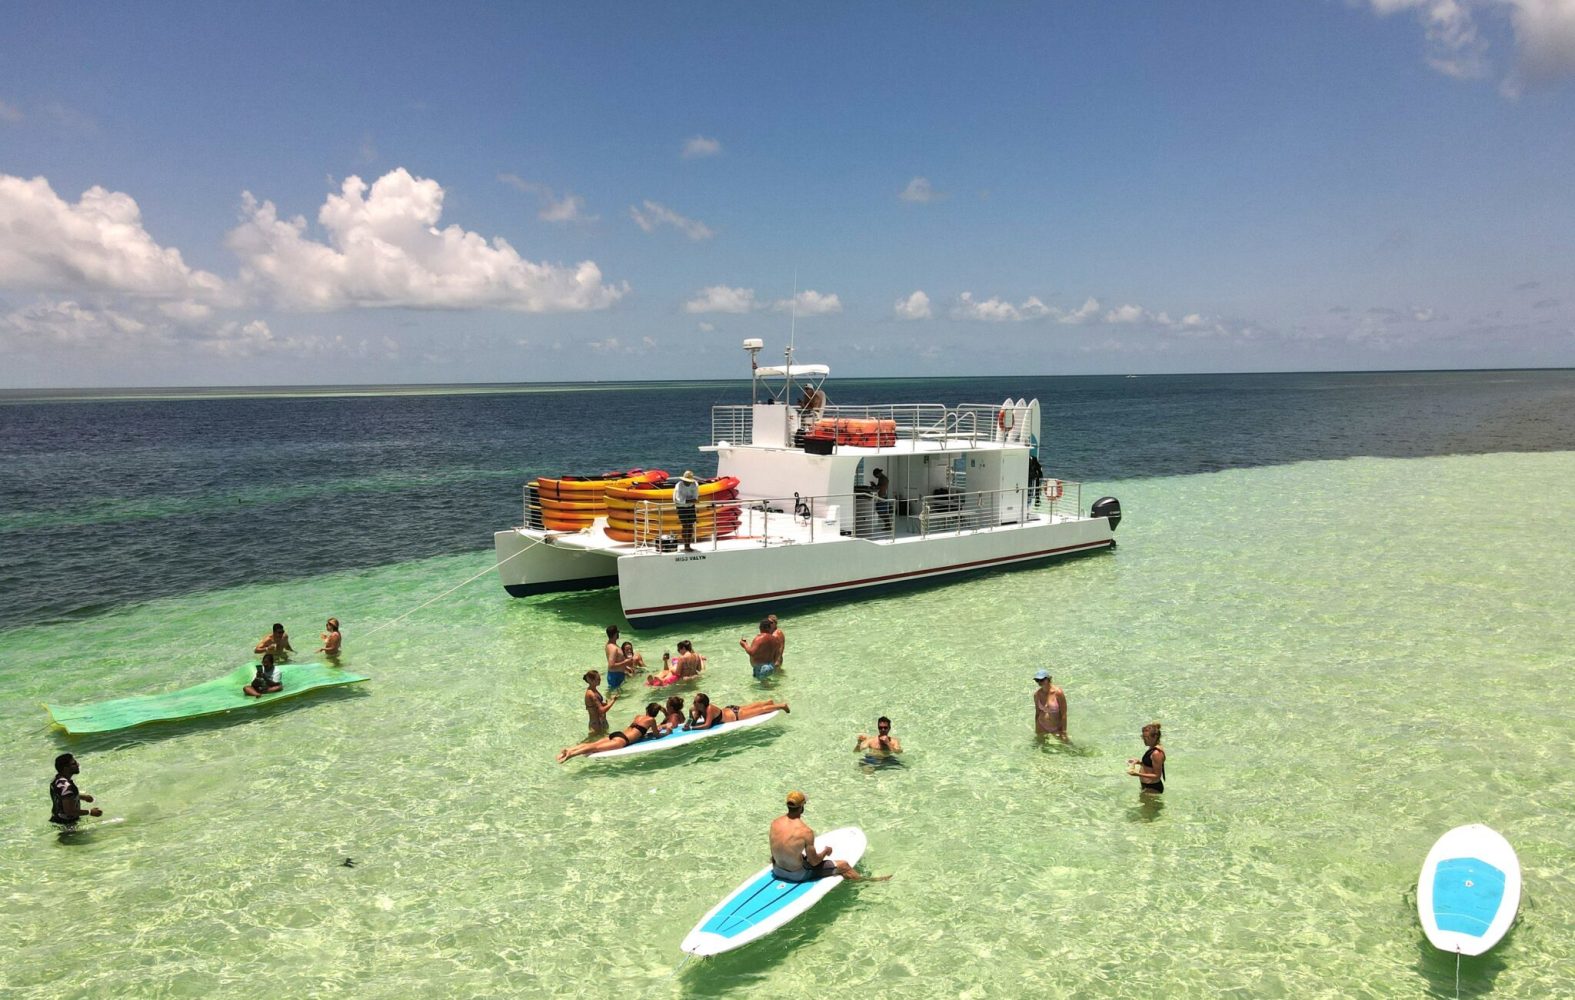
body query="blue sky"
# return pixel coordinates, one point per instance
(273, 194)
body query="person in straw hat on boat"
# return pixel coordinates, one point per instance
(686, 493)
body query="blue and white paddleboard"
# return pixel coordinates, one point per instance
(764, 903)
(682, 738)
(1469, 890)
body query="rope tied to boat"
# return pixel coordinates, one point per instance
(471, 579)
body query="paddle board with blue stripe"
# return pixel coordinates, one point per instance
(683, 738)
(1469, 890)
(764, 903)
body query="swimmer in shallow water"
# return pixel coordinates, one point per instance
(1049, 707)
(881, 748)
(331, 641)
(65, 800)
(1149, 770)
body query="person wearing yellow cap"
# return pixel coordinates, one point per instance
(686, 493)
(794, 857)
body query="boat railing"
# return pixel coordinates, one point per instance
(910, 422)
(800, 519)
(732, 424)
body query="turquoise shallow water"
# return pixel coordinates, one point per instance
(1349, 657)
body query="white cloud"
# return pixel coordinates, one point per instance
(1545, 35)
(920, 192)
(699, 146)
(722, 299)
(915, 306)
(141, 328)
(1089, 310)
(96, 245)
(1127, 314)
(69, 324)
(1544, 32)
(10, 113)
(991, 310)
(656, 214)
(809, 303)
(568, 208)
(705, 327)
(384, 249)
(998, 310)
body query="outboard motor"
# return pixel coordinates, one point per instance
(1107, 507)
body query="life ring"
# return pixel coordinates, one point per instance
(1004, 419)
(1053, 490)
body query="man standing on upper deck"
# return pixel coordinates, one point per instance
(686, 493)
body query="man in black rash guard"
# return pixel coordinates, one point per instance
(65, 801)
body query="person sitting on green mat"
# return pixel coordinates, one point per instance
(267, 680)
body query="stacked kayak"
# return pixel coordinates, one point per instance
(570, 503)
(646, 508)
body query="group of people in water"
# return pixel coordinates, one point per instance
(276, 649)
(659, 719)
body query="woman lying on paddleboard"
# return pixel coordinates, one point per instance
(634, 732)
(705, 715)
(674, 712)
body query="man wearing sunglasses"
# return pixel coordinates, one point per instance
(880, 747)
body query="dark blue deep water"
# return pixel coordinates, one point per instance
(107, 501)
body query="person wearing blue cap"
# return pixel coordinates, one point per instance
(1049, 707)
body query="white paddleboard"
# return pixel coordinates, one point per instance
(764, 903)
(1469, 890)
(682, 738)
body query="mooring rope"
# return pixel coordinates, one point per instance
(470, 579)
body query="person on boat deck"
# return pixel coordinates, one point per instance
(762, 649)
(704, 715)
(595, 705)
(688, 662)
(794, 857)
(1149, 770)
(275, 642)
(882, 745)
(882, 496)
(813, 403)
(1049, 707)
(331, 640)
(643, 725)
(267, 680)
(686, 493)
(674, 717)
(776, 633)
(65, 801)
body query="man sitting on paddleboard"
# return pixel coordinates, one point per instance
(793, 854)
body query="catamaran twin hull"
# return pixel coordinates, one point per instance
(659, 587)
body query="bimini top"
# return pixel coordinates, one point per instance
(792, 371)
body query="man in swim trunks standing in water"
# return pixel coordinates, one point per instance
(794, 857)
(65, 801)
(762, 649)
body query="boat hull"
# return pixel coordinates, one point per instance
(528, 567)
(659, 588)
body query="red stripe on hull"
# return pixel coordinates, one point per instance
(866, 581)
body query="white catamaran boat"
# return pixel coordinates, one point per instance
(809, 500)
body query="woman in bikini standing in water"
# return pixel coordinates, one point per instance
(595, 705)
(634, 732)
(1150, 769)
